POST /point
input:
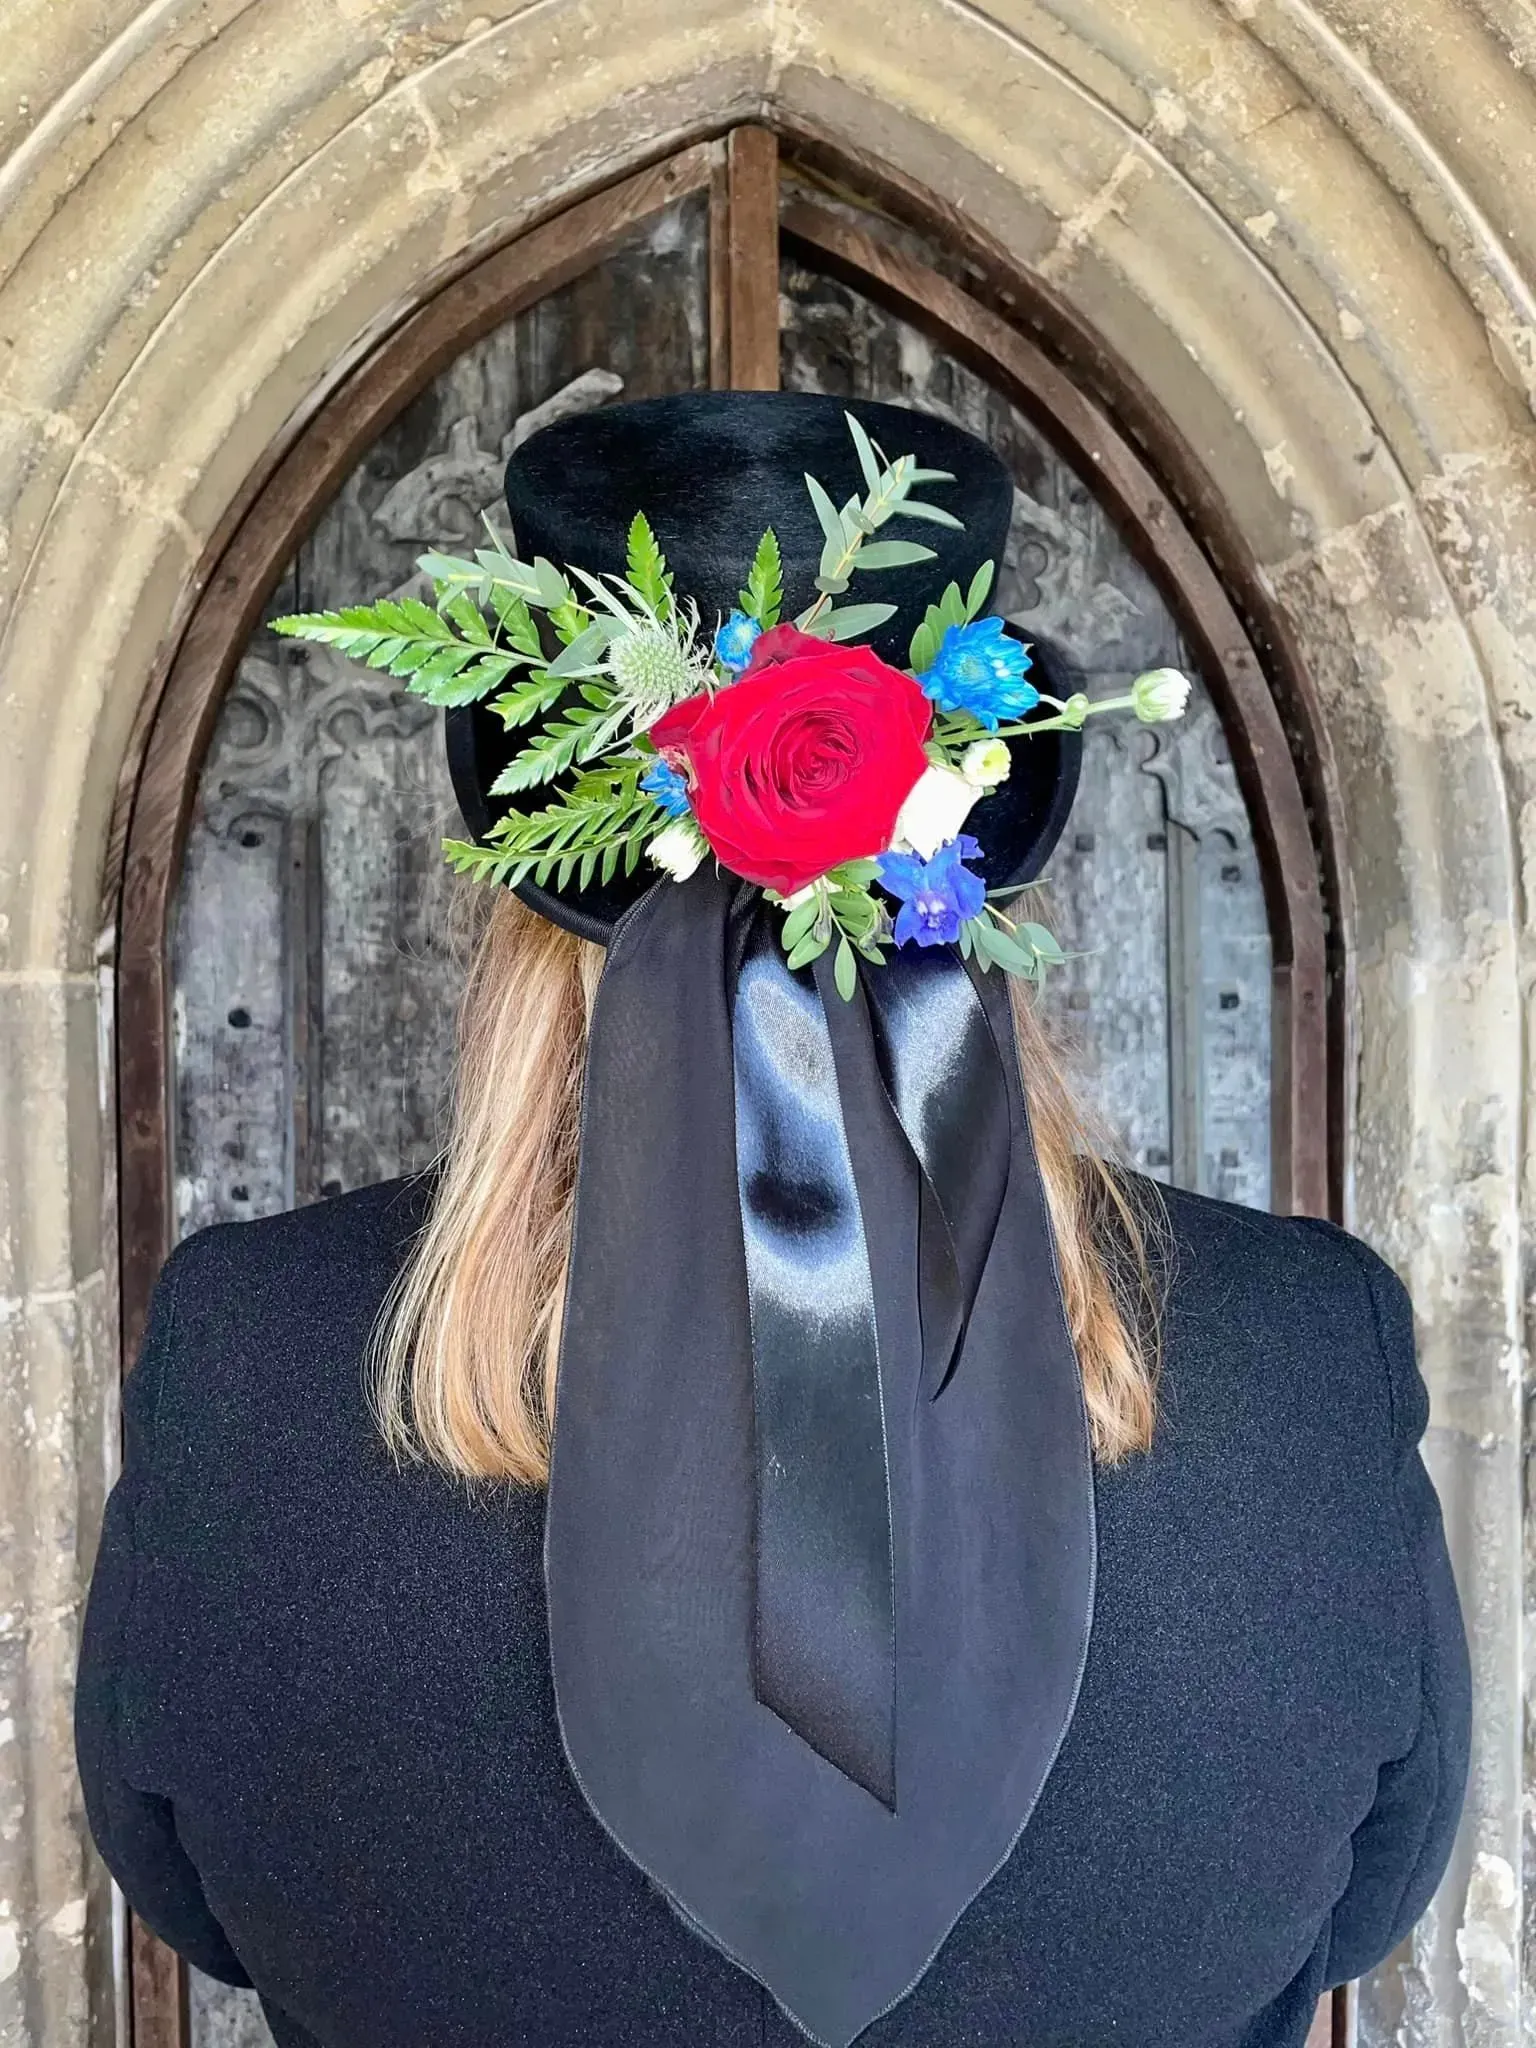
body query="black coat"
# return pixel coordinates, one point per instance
(320, 1755)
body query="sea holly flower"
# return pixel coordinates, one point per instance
(678, 848)
(1160, 695)
(663, 782)
(735, 640)
(939, 804)
(980, 670)
(937, 896)
(986, 763)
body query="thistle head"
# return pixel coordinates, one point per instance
(650, 665)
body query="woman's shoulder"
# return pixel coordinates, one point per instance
(1216, 1245)
(336, 1246)
(278, 1309)
(1295, 1295)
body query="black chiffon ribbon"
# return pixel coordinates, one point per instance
(825, 1596)
(819, 1548)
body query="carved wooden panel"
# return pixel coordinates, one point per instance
(1156, 890)
(314, 961)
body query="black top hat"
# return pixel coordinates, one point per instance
(710, 470)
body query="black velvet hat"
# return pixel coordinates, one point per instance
(819, 1547)
(710, 470)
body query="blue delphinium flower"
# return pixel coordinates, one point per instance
(980, 670)
(937, 896)
(735, 640)
(663, 782)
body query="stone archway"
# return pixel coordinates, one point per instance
(1295, 224)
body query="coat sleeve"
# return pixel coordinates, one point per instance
(1403, 1845)
(135, 1829)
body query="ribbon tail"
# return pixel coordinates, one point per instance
(825, 1623)
(943, 1073)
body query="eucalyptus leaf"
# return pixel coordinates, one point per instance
(505, 570)
(892, 554)
(868, 461)
(1043, 942)
(450, 570)
(830, 562)
(589, 646)
(914, 508)
(997, 945)
(845, 971)
(550, 586)
(848, 621)
(820, 627)
(810, 948)
(826, 511)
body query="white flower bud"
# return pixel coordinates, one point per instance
(936, 807)
(985, 763)
(678, 848)
(1159, 695)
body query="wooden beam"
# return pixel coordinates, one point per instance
(160, 2017)
(744, 264)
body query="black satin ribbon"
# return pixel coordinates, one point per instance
(825, 1630)
(943, 1074)
(824, 1648)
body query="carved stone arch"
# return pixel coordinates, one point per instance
(1300, 225)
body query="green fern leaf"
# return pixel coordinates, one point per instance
(467, 616)
(764, 593)
(516, 622)
(529, 699)
(648, 571)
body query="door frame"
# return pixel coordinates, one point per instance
(1005, 323)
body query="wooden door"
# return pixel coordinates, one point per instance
(290, 952)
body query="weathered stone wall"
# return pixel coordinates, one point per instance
(1306, 222)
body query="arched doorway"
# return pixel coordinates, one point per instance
(285, 986)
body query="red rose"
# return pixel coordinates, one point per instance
(804, 761)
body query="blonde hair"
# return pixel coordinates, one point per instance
(465, 1357)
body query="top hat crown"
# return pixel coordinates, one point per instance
(710, 470)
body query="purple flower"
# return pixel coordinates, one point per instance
(980, 670)
(937, 896)
(668, 788)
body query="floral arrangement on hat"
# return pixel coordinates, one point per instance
(789, 753)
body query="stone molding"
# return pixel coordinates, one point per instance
(1304, 222)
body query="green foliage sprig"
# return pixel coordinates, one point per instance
(847, 546)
